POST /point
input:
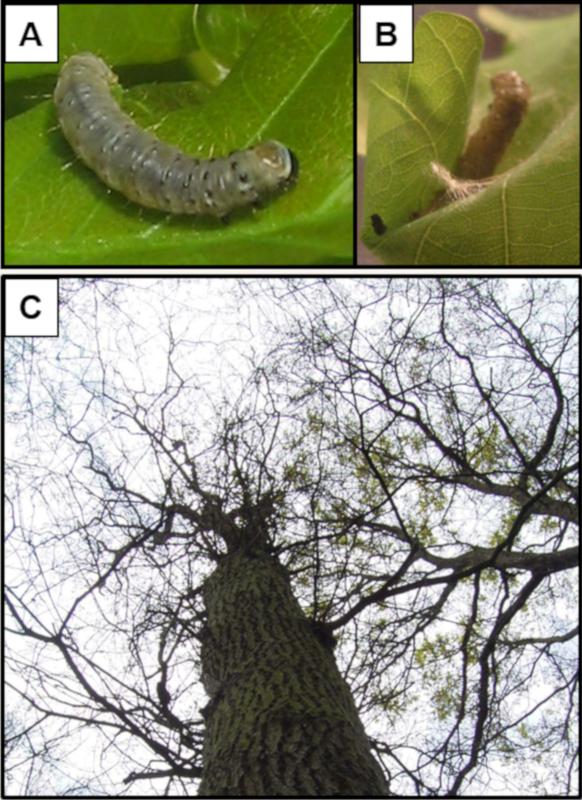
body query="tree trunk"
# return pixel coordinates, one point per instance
(281, 720)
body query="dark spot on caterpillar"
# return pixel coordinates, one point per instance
(378, 225)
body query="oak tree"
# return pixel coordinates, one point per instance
(295, 538)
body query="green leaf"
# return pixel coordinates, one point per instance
(419, 113)
(486, 450)
(144, 42)
(293, 82)
(122, 34)
(225, 30)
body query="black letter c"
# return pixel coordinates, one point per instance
(23, 306)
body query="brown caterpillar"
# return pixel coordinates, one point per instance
(150, 172)
(487, 145)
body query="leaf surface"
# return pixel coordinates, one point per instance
(420, 113)
(292, 82)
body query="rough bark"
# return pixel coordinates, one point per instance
(281, 720)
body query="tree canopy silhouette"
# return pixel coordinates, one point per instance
(337, 517)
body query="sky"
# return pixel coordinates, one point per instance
(220, 335)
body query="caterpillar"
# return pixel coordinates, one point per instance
(151, 172)
(487, 145)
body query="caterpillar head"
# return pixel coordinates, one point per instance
(280, 167)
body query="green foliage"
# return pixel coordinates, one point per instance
(523, 730)
(317, 611)
(416, 440)
(417, 369)
(445, 698)
(297, 473)
(549, 525)
(438, 649)
(421, 532)
(292, 81)
(315, 422)
(434, 657)
(432, 500)
(500, 535)
(124, 34)
(486, 447)
(490, 575)
(420, 113)
(393, 705)
(224, 31)
(472, 650)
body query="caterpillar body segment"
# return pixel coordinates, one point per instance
(153, 173)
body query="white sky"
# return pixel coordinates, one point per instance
(221, 337)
